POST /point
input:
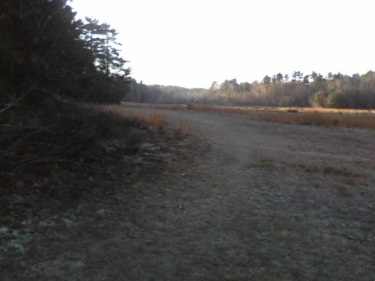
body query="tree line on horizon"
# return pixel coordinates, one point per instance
(143, 93)
(46, 51)
(298, 90)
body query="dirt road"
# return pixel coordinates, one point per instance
(265, 201)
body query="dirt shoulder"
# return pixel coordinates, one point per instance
(237, 200)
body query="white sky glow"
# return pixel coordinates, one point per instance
(192, 43)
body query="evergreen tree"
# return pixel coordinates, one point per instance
(101, 40)
(41, 51)
(44, 50)
(267, 80)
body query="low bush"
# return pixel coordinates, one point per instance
(60, 133)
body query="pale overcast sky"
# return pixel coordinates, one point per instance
(191, 43)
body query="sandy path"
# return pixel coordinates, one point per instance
(265, 202)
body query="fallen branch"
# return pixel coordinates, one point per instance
(15, 101)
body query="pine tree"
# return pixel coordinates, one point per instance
(101, 40)
(41, 50)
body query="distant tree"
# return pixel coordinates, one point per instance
(267, 80)
(279, 77)
(316, 77)
(214, 86)
(319, 99)
(297, 75)
(333, 100)
(357, 91)
(245, 86)
(337, 76)
(230, 85)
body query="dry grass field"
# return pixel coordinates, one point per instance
(348, 118)
(210, 196)
(329, 117)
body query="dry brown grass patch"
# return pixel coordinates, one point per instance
(321, 119)
(182, 129)
(152, 121)
(348, 118)
(157, 105)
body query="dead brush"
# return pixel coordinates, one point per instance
(156, 121)
(181, 130)
(321, 119)
(151, 121)
(345, 118)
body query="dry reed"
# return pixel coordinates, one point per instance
(153, 121)
(348, 118)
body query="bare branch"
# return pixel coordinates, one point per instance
(13, 101)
